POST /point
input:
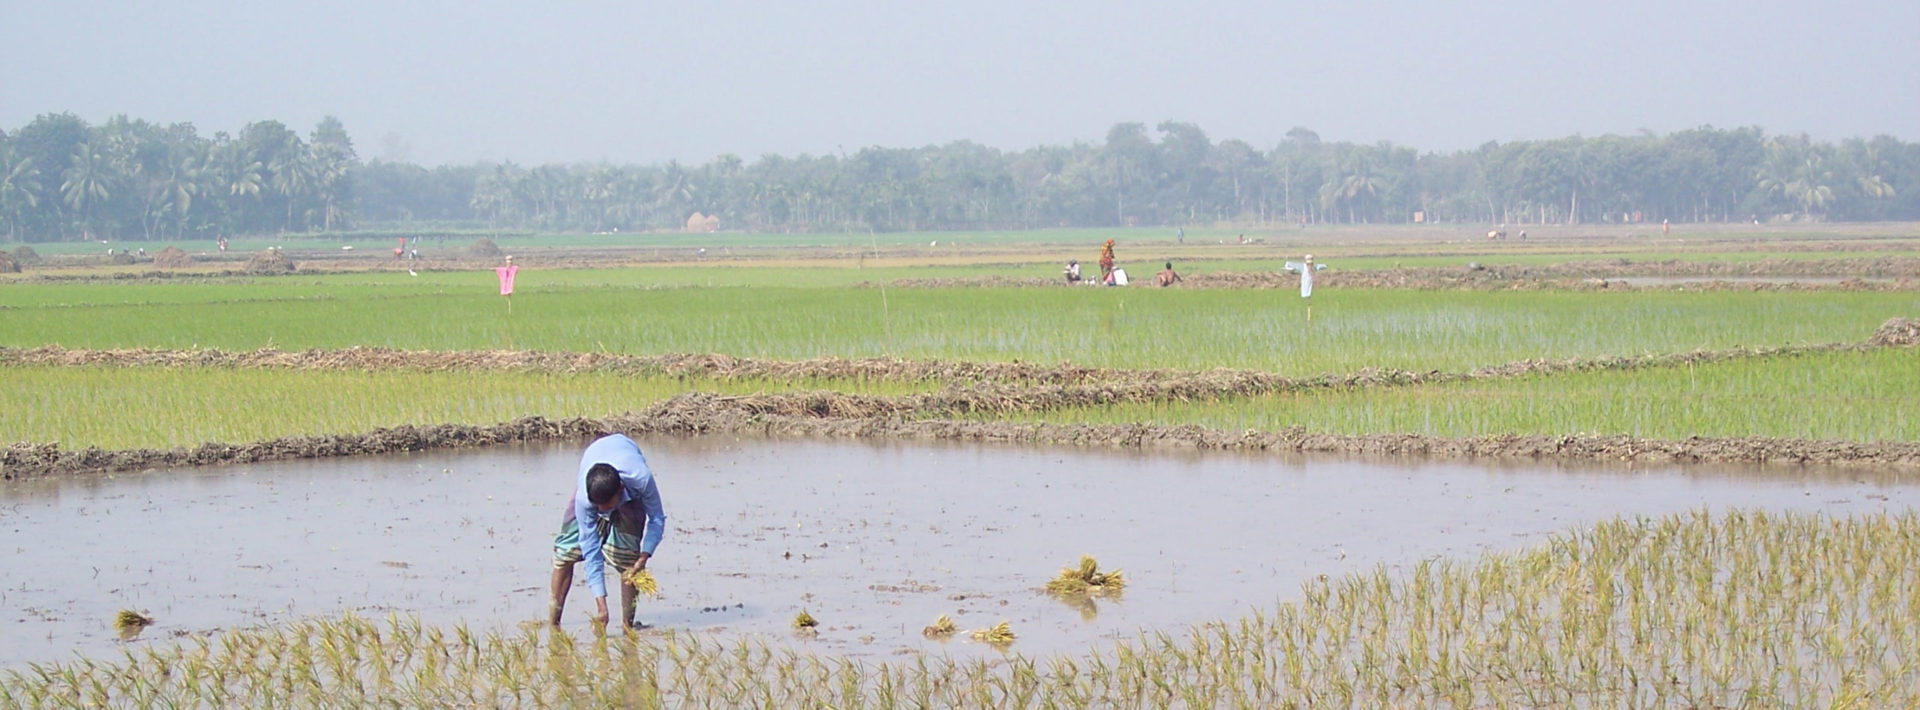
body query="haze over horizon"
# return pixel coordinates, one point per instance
(445, 82)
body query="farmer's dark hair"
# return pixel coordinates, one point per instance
(603, 484)
(1169, 265)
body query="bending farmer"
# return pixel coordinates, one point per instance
(616, 516)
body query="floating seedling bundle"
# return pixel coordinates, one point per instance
(1000, 634)
(129, 623)
(942, 627)
(804, 621)
(1086, 579)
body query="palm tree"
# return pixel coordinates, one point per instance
(1796, 172)
(87, 184)
(19, 189)
(180, 187)
(293, 175)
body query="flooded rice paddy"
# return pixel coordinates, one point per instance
(873, 539)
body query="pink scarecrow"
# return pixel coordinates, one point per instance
(506, 274)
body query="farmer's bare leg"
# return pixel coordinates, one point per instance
(562, 583)
(628, 595)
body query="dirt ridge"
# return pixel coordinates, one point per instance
(1894, 333)
(704, 414)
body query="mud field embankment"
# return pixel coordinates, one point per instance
(933, 415)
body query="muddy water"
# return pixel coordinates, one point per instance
(874, 539)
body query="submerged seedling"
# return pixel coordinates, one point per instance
(1000, 634)
(942, 627)
(1086, 579)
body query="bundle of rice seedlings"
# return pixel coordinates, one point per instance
(1000, 635)
(643, 581)
(130, 622)
(804, 621)
(1086, 579)
(941, 628)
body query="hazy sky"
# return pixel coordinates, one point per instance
(534, 82)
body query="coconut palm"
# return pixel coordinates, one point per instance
(19, 189)
(88, 183)
(294, 175)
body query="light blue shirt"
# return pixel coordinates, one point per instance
(637, 484)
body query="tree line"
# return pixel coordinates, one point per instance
(62, 179)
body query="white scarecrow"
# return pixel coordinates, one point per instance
(1305, 270)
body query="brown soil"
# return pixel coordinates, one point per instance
(271, 261)
(482, 248)
(1897, 332)
(172, 258)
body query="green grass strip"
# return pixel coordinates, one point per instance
(145, 407)
(1864, 396)
(1134, 328)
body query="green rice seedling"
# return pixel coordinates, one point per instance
(643, 582)
(1087, 579)
(804, 621)
(164, 407)
(999, 634)
(1849, 395)
(942, 628)
(1352, 329)
(1738, 609)
(130, 623)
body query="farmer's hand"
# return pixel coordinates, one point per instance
(640, 562)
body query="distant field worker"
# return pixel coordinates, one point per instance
(1106, 262)
(1168, 277)
(1073, 271)
(615, 516)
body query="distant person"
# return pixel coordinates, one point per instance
(1073, 271)
(1167, 277)
(615, 516)
(1106, 263)
(1664, 228)
(1180, 233)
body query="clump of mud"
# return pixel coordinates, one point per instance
(8, 265)
(270, 261)
(172, 258)
(483, 248)
(1897, 332)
